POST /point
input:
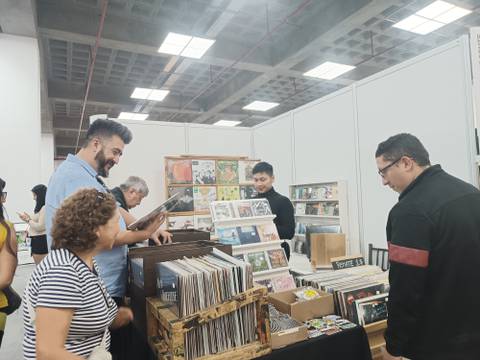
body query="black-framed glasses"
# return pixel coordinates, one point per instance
(382, 171)
(4, 194)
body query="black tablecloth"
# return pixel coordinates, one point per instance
(351, 344)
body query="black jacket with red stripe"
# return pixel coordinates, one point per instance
(434, 250)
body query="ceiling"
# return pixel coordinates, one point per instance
(262, 49)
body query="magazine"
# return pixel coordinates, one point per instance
(179, 171)
(203, 196)
(203, 172)
(144, 221)
(227, 172)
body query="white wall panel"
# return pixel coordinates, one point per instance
(217, 141)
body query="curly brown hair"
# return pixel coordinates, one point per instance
(79, 217)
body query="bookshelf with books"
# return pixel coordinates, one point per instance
(201, 180)
(248, 226)
(319, 203)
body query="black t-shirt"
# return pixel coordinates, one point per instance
(283, 209)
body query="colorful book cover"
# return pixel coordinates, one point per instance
(179, 171)
(245, 167)
(185, 199)
(261, 207)
(227, 172)
(283, 283)
(203, 196)
(243, 209)
(222, 210)
(268, 232)
(228, 236)
(277, 258)
(247, 192)
(203, 172)
(228, 193)
(258, 260)
(180, 222)
(248, 234)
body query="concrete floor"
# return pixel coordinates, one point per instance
(12, 341)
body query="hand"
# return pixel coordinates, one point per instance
(124, 316)
(24, 216)
(153, 226)
(387, 356)
(167, 237)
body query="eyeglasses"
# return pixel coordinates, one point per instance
(4, 194)
(382, 171)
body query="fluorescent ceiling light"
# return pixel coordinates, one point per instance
(227, 123)
(432, 17)
(132, 116)
(184, 45)
(329, 70)
(260, 106)
(149, 94)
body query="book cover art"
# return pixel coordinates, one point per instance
(203, 172)
(180, 222)
(283, 283)
(228, 236)
(247, 192)
(185, 199)
(204, 223)
(258, 260)
(243, 209)
(248, 234)
(222, 210)
(203, 196)
(228, 193)
(179, 171)
(371, 309)
(277, 258)
(348, 297)
(245, 167)
(227, 172)
(261, 207)
(268, 232)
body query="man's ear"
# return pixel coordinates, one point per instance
(273, 178)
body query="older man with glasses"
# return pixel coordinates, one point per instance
(433, 235)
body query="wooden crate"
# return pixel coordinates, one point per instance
(376, 340)
(166, 332)
(324, 246)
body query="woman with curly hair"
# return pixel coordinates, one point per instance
(8, 259)
(67, 309)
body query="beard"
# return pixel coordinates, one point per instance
(103, 165)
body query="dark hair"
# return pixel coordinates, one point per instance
(79, 217)
(403, 145)
(40, 190)
(2, 186)
(104, 128)
(263, 167)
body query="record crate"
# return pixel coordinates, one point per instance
(166, 332)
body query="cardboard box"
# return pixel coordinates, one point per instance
(325, 246)
(287, 337)
(287, 303)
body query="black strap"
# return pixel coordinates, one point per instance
(100, 181)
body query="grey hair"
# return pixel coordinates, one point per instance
(136, 183)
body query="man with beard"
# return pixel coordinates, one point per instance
(101, 151)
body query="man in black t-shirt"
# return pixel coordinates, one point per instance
(281, 206)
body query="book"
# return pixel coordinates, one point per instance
(180, 222)
(247, 192)
(222, 210)
(227, 172)
(203, 196)
(268, 232)
(243, 209)
(258, 260)
(203, 172)
(283, 283)
(164, 207)
(228, 236)
(179, 171)
(248, 234)
(277, 258)
(184, 198)
(261, 207)
(228, 193)
(245, 167)
(204, 223)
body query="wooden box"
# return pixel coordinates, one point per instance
(325, 246)
(166, 332)
(376, 340)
